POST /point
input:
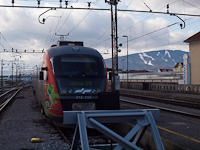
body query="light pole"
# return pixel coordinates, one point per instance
(127, 55)
(2, 73)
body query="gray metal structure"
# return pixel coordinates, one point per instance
(141, 119)
(114, 34)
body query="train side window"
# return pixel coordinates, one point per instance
(45, 76)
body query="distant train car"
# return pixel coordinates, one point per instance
(73, 77)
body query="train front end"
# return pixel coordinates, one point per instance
(76, 79)
(79, 78)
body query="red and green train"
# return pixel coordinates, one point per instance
(72, 77)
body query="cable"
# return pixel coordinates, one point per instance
(134, 24)
(66, 18)
(108, 29)
(191, 4)
(82, 19)
(54, 34)
(146, 5)
(147, 17)
(2, 37)
(163, 33)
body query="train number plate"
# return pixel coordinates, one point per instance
(83, 97)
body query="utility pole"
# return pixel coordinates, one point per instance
(16, 74)
(12, 72)
(115, 77)
(127, 56)
(2, 73)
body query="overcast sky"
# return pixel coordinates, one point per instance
(146, 31)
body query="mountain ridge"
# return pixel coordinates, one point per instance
(150, 61)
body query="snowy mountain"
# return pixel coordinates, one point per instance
(151, 61)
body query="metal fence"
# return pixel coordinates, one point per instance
(165, 87)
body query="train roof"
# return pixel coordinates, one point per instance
(74, 49)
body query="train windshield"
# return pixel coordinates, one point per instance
(75, 73)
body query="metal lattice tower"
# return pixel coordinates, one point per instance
(113, 4)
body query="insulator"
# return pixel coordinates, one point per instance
(66, 3)
(167, 8)
(89, 3)
(38, 2)
(60, 3)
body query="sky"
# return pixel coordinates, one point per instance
(21, 28)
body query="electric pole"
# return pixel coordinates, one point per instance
(12, 72)
(115, 78)
(2, 73)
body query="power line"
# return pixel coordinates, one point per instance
(109, 28)
(63, 23)
(162, 34)
(191, 4)
(100, 9)
(146, 5)
(22, 51)
(136, 23)
(82, 19)
(103, 9)
(2, 38)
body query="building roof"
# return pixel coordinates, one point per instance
(177, 64)
(195, 37)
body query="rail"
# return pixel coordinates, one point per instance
(7, 92)
(164, 87)
(179, 102)
(2, 105)
(162, 108)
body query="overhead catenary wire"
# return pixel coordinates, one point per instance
(132, 25)
(82, 19)
(56, 29)
(2, 38)
(131, 42)
(103, 9)
(104, 40)
(94, 43)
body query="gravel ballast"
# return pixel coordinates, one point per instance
(22, 120)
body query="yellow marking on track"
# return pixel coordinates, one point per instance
(187, 137)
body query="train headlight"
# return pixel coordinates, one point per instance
(64, 91)
(98, 90)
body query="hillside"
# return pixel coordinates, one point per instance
(151, 61)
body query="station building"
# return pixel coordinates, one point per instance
(194, 50)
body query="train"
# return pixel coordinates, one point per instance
(72, 77)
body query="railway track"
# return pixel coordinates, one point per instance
(4, 89)
(161, 108)
(95, 138)
(6, 97)
(190, 104)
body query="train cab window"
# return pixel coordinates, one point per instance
(77, 65)
(73, 73)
